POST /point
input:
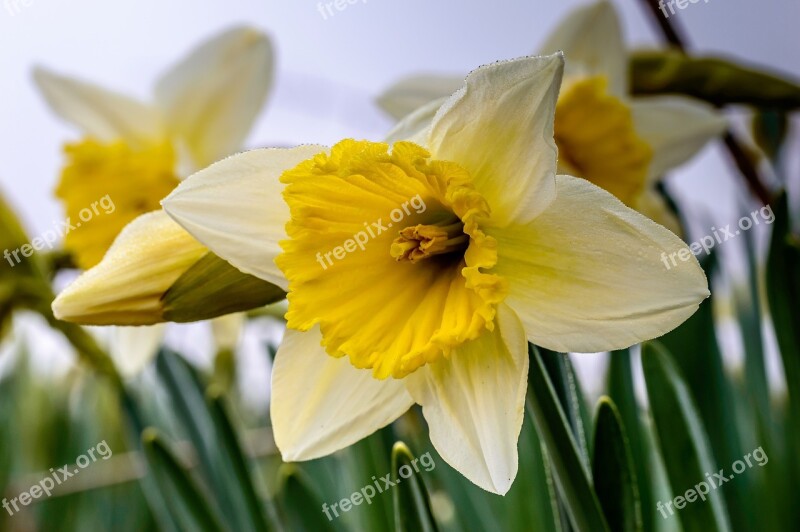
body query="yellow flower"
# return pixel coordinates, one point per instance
(137, 178)
(136, 153)
(157, 272)
(487, 249)
(619, 143)
(119, 291)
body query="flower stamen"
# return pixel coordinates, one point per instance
(419, 242)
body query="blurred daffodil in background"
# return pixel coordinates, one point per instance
(136, 152)
(622, 144)
(133, 154)
(439, 309)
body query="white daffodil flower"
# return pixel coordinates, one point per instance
(418, 273)
(134, 153)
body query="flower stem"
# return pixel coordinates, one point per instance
(674, 36)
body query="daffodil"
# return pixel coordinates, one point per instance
(440, 259)
(134, 153)
(157, 272)
(619, 143)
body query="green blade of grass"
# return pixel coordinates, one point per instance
(555, 432)
(683, 442)
(613, 470)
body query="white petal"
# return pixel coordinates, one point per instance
(321, 404)
(676, 128)
(98, 112)
(416, 126)
(212, 97)
(591, 38)
(411, 93)
(591, 274)
(500, 128)
(474, 402)
(236, 209)
(126, 287)
(132, 348)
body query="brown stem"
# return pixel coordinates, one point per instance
(672, 32)
(747, 169)
(743, 162)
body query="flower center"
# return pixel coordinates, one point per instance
(390, 298)
(98, 176)
(422, 241)
(597, 140)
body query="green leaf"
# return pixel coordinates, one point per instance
(717, 81)
(612, 465)
(300, 504)
(694, 348)
(532, 502)
(783, 294)
(622, 392)
(135, 425)
(212, 288)
(336, 478)
(565, 382)
(555, 432)
(769, 131)
(683, 442)
(412, 507)
(193, 510)
(12, 238)
(209, 434)
(236, 463)
(748, 311)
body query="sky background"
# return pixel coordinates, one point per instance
(329, 70)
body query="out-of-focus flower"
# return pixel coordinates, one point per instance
(136, 153)
(418, 273)
(155, 272)
(619, 143)
(118, 292)
(133, 154)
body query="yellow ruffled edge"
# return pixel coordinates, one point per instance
(481, 254)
